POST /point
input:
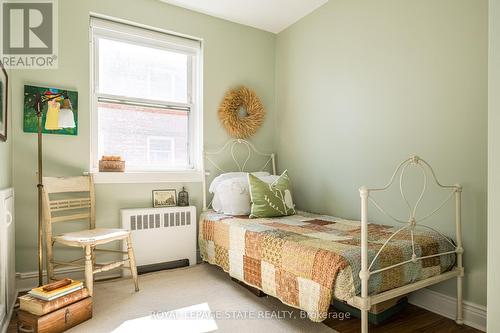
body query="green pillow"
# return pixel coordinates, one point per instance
(271, 200)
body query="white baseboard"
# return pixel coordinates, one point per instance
(27, 280)
(444, 305)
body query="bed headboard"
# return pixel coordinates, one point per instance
(240, 163)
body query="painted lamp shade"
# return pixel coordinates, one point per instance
(66, 116)
(59, 117)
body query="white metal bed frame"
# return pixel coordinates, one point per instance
(364, 302)
(232, 145)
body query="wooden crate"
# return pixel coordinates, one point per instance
(57, 321)
(111, 166)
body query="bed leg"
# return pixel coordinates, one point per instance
(460, 253)
(460, 306)
(364, 273)
(364, 321)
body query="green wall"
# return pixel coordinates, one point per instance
(493, 167)
(6, 149)
(361, 85)
(233, 55)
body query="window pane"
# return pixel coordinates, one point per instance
(147, 138)
(143, 72)
(161, 150)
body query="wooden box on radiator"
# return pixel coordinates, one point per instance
(57, 321)
(162, 237)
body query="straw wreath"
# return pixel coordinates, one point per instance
(238, 126)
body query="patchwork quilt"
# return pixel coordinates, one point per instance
(305, 259)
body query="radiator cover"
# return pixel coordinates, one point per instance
(161, 235)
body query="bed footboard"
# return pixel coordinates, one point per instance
(364, 302)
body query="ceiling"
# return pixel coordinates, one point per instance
(269, 15)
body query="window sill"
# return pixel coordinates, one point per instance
(146, 177)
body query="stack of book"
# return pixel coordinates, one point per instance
(53, 291)
(55, 307)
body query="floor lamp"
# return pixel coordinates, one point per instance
(64, 115)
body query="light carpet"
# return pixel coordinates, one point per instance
(232, 308)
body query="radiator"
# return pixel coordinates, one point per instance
(161, 235)
(7, 256)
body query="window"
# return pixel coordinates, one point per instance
(161, 149)
(145, 98)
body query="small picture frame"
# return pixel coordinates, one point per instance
(164, 198)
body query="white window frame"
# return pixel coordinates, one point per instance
(147, 36)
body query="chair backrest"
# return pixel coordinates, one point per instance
(68, 199)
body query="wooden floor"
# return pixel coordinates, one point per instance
(13, 324)
(413, 319)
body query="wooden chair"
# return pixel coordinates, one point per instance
(78, 204)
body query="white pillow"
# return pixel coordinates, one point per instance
(230, 175)
(231, 192)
